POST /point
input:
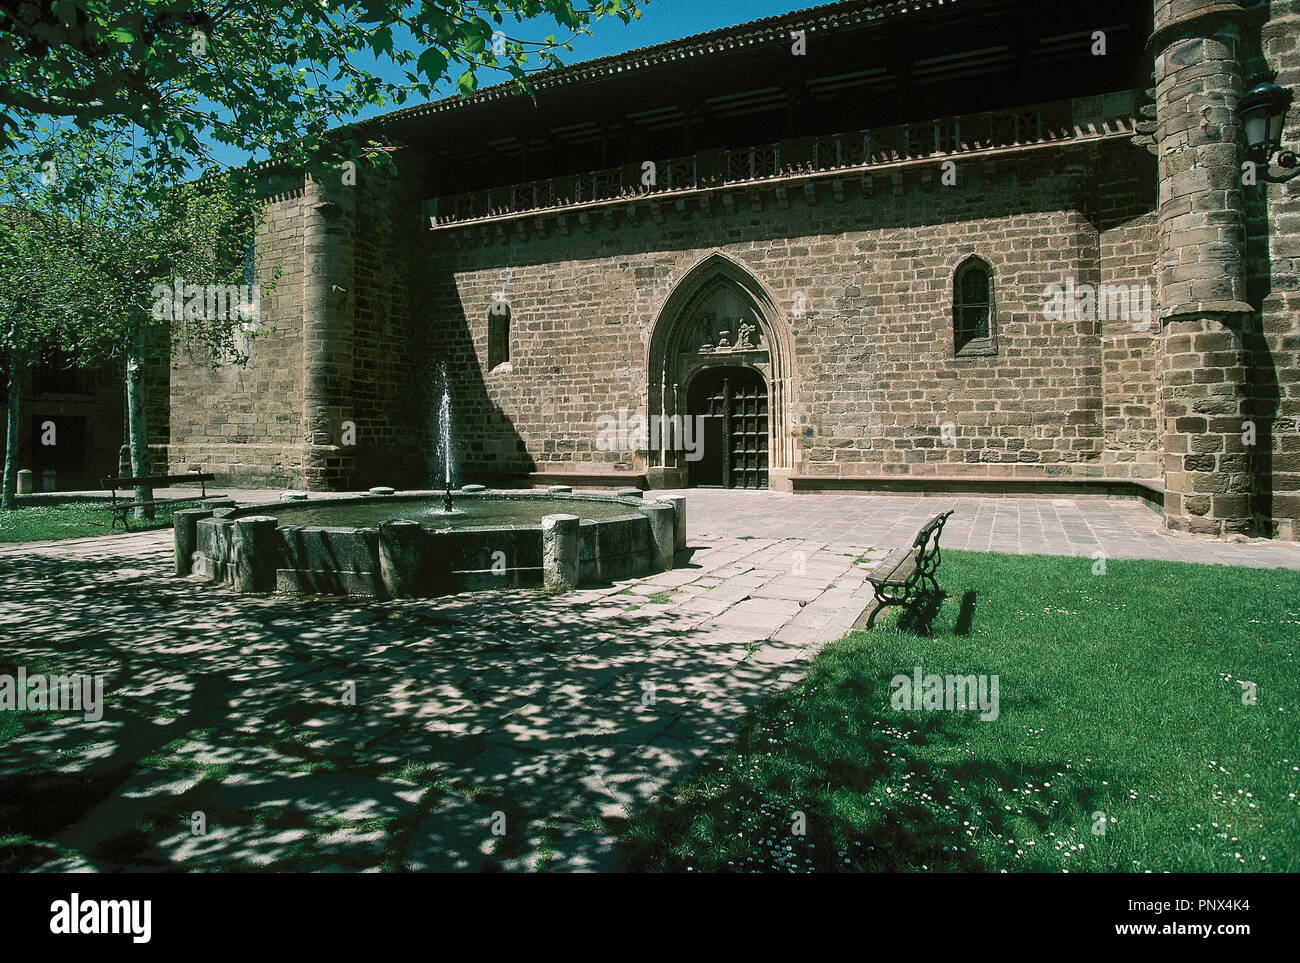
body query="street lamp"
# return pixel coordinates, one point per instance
(1262, 111)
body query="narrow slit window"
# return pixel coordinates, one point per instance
(498, 335)
(973, 313)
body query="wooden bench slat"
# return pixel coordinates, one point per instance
(887, 571)
(902, 573)
(150, 480)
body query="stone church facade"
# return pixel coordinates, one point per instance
(830, 239)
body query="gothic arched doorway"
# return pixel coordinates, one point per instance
(722, 351)
(732, 405)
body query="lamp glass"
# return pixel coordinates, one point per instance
(1256, 125)
(1275, 121)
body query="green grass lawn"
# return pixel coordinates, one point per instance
(1119, 694)
(74, 518)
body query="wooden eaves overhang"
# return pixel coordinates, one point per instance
(909, 154)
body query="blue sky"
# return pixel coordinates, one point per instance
(665, 20)
(661, 21)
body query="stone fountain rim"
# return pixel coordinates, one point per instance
(249, 510)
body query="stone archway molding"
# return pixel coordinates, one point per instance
(672, 360)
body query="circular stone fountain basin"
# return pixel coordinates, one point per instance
(407, 545)
(467, 512)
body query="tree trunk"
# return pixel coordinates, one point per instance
(137, 430)
(8, 499)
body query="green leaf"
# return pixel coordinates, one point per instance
(467, 83)
(432, 63)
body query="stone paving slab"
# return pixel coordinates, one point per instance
(1122, 528)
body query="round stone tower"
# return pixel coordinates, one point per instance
(1205, 382)
(329, 221)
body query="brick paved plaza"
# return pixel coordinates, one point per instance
(559, 712)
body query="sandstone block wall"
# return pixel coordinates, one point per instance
(1130, 349)
(876, 370)
(244, 424)
(393, 370)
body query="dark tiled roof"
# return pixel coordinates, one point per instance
(769, 30)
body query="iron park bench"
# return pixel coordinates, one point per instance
(121, 510)
(901, 576)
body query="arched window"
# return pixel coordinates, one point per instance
(498, 334)
(973, 309)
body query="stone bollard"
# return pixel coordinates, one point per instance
(400, 543)
(661, 533)
(679, 520)
(629, 493)
(381, 490)
(214, 533)
(48, 484)
(24, 481)
(293, 496)
(253, 554)
(185, 536)
(560, 552)
(559, 489)
(221, 501)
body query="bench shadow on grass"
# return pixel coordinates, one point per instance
(918, 617)
(966, 615)
(231, 707)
